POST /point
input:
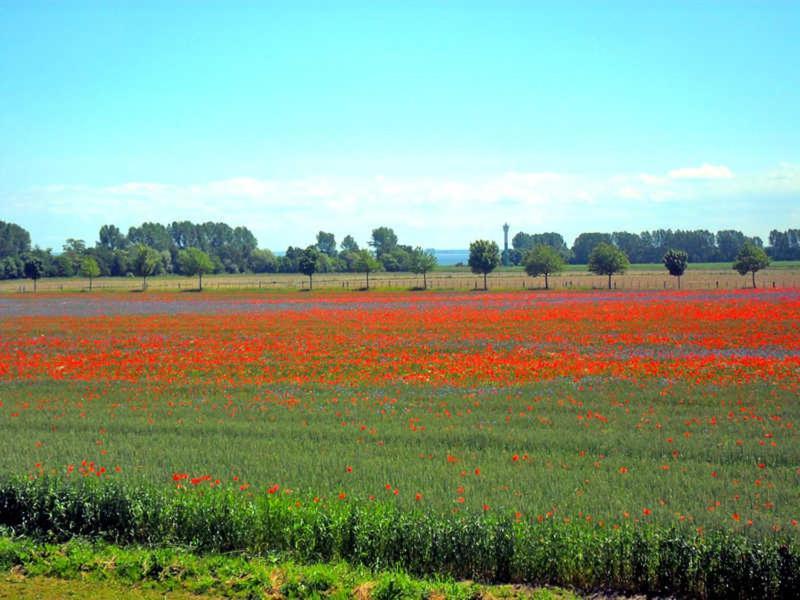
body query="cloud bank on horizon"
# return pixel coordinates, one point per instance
(427, 211)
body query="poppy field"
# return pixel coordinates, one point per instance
(583, 413)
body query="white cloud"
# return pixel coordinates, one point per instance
(648, 179)
(630, 193)
(430, 211)
(705, 171)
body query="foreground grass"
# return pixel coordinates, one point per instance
(80, 569)
(642, 560)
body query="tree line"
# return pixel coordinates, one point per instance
(649, 246)
(187, 248)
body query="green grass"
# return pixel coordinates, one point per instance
(647, 560)
(81, 568)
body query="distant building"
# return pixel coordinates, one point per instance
(506, 258)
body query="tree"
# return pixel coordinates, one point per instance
(543, 260)
(421, 263)
(326, 242)
(784, 245)
(397, 259)
(525, 241)
(263, 261)
(194, 261)
(11, 267)
(606, 259)
(307, 264)
(34, 269)
(349, 244)
(146, 262)
(631, 244)
(728, 243)
(675, 261)
(583, 245)
(484, 256)
(750, 259)
(366, 263)
(112, 238)
(89, 268)
(14, 240)
(288, 263)
(384, 240)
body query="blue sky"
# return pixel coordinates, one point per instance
(440, 119)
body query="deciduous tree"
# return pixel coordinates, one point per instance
(89, 268)
(607, 259)
(194, 261)
(366, 263)
(751, 259)
(675, 261)
(543, 260)
(307, 264)
(484, 256)
(421, 263)
(146, 262)
(34, 269)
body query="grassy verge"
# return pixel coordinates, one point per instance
(648, 560)
(35, 569)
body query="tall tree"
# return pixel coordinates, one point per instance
(146, 262)
(308, 264)
(90, 269)
(421, 263)
(525, 241)
(193, 261)
(751, 259)
(607, 259)
(484, 256)
(263, 261)
(154, 235)
(14, 240)
(675, 261)
(631, 244)
(112, 238)
(34, 269)
(289, 262)
(784, 245)
(584, 244)
(384, 240)
(729, 242)
(366, 263)
(326, 242)
(349, 244)
(543, 260)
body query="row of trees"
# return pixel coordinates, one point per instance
(195, 249)
(650, 246)
(191, 249)
(231, 250)
(603, 259)
(383, 247)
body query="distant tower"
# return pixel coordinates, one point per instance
(505, 245)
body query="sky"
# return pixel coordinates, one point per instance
(442, 120)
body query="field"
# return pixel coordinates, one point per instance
(589, 415)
